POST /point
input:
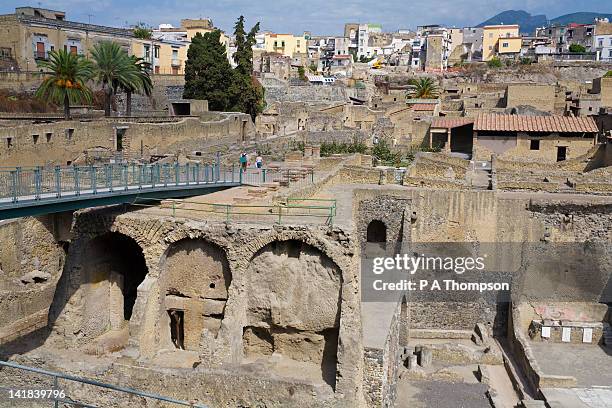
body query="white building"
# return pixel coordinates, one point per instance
(602, 43)
(363, 49)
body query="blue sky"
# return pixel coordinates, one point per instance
(296, 16)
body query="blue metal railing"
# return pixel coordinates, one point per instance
(38, 183)
(57, 395)
(26, 191)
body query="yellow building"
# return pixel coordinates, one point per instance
(285, 44)
(184, 34)
(509, 46)
(28, 35)
(494, 34)
(165, 57)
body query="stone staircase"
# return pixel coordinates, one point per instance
(481, 177)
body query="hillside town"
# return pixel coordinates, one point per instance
(417, 217)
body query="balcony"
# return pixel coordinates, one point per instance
(175, 62)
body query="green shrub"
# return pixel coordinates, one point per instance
(577, 48)
(494, 63)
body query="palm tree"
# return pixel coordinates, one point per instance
(143, 83)
(65, 83)
(423, 88)
(114, 70)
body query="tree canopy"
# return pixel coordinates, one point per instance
(66, 80)
(209, 75)
(424, 88)
(577, 48)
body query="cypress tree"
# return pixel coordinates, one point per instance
(208, 73)
(246, 90)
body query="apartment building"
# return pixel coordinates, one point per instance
(165, 56)
(288, 45)
(500, 39)
(28, 35)
(562, 36)
(602, 42)
(364, 49)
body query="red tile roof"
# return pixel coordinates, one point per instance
(449, 122)
(422, 107)
(523, 123)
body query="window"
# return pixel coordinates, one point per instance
(505, 45)
(9, 142)
(609, 53)
(34, 139)
(69, 134)
(283, 44)
(48, 137)
(275, 43)
(156, 51)
(535, 144)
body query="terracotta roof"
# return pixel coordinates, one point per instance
(423, 107)
(449, 122)
(523, 123)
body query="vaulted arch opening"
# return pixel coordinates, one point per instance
(195, 280)
(293, 309)
(376, 232)
(113, 268)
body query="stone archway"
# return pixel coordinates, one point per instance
(293, 308)
(376, 232)
(194, 283)
(113, 267)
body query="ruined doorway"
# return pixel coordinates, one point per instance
(177, 328)
(377, 232)
(561, 153)
(115, 266)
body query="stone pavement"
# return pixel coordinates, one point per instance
(595, 397)
(588, 363)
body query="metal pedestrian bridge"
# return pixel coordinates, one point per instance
(30, 191)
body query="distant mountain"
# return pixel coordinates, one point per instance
(529, 23)
(580, 18)
(526, 21)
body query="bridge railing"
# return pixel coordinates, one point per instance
(293, 210)
(277, 175)
(35, 183)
